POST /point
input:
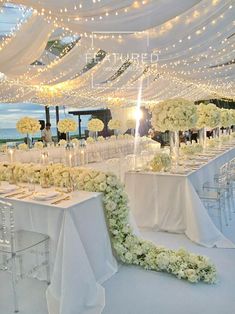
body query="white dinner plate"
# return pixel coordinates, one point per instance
(7, 188)
(44, 196)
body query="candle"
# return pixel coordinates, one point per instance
(11, 155)
(70, 160)
(82, 157)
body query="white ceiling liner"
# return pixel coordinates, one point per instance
(193, 40)
(153, 13)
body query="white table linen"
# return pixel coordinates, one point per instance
(169, 202)
(81, 254)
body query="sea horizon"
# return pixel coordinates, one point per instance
(13, 134)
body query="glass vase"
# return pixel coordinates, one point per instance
(174, 147)
(67, 137)
(116, 132)
(28, 141)
(202, 137)
(133, 132)
(95, 135)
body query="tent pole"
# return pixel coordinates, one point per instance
(47, 113)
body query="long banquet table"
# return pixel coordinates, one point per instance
(169, 202)
(81, 254)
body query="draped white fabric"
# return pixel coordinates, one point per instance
(184, 49)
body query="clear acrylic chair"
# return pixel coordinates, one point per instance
(114, 165)
(217, 192)
(14, 245)
(214, 200)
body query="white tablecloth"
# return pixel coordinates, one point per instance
(169, 202)
(81, 254)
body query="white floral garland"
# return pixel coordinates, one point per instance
(129, 248)
(174, 115)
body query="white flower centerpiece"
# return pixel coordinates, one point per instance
(95, 126)
(38, 145)
(115, 125)
(226, 119)
(174, 115)
(190, 150)
(129, 248)
(28, 125)
(66, 126)
(160, 162)
(208, 116)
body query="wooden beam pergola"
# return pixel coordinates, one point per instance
(102, 114)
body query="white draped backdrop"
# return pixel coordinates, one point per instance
(192, 43)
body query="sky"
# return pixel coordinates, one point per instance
(11, 113)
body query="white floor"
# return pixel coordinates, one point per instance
(136, 291)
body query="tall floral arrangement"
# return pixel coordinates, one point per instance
(114, 124)
(28, 125)
(232, 115)
(226, 119)
(67, 125)
(95, 125)
(129, 248)
(208, 116)
(174, 115)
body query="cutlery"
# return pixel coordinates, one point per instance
(14, 194)
(24, 196)
(61, 200)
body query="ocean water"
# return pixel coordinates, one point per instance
(12, 134)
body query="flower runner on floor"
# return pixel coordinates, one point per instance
(129, 248)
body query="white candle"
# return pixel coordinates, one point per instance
(11, 155)
(70, 160)
(82, 158)
(43, 159)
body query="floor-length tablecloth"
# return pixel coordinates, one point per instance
(169, 202)
(81, 254)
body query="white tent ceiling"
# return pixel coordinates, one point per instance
(171, 48)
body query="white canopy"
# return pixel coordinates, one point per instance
(167, 48)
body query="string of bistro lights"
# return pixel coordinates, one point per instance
(195, 67)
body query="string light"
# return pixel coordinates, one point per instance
(181, 71)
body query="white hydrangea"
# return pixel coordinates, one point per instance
(28, 125)
(208, 116)
(67, 125)
(174, 115)
(114, 124)
(95, 125)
